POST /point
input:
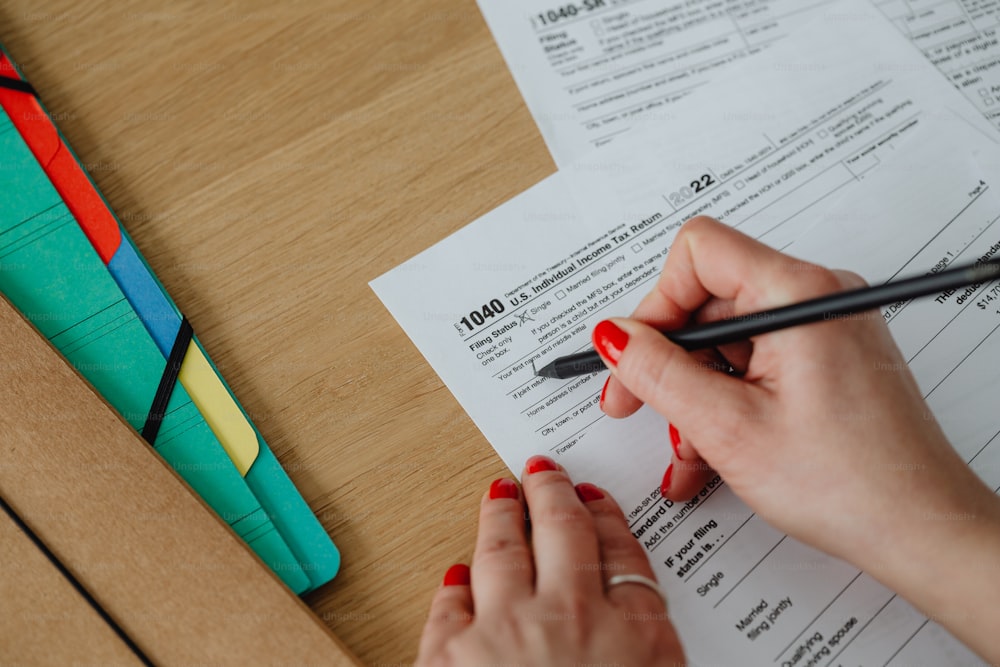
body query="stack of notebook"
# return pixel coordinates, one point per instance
(69, 266)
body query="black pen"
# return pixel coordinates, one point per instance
(744, 327)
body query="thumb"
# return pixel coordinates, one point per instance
(693, 396)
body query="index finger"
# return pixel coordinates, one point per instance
(710, 260)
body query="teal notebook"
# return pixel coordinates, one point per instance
(116, 324)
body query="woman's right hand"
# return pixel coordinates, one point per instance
(822, 431)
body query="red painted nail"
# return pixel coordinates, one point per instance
(587, 492)
(504, 488)
(675, 442)
(609, 341)
(457, 575)
(540, 463)
(604, 390)
(665, 484)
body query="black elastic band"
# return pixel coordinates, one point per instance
(74, 583)
(167, 381)
(17, 84)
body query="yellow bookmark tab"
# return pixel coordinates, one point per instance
(220, 411)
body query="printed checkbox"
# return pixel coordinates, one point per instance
(560, 294)
(739, 185)
(636, 247)
(984, 92)
(823, 134)
(988, 101)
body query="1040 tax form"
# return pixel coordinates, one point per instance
(817, 126)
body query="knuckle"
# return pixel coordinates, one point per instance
(543, 487)
(500, 546)
(657, 375)
(447, 615)
(571, 514)
(499, 510)
(850, 279)
(574, 609)
(545, 480)
(649, 368)
(444, 610)
(507, 625)
(578, 605)
(814, 280)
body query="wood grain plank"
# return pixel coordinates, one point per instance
(270, 159)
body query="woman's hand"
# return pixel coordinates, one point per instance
(821, 428)
(547, 601)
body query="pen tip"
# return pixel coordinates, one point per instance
(546, 371)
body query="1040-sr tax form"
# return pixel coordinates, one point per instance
(528, 281)
(589, 70)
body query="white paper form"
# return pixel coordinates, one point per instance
(935, 207)
(590, 70)
(952, 340)
(961, 38)
(531, 279)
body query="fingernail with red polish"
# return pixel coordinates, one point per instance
(587, 492)
(504, 488)
(609, 340)
(457, 575)
(665, 484)
(540, 463)
(675, 442)
(604, 390)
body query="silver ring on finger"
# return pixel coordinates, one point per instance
(637, 579)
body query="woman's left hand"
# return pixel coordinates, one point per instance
(548, 601)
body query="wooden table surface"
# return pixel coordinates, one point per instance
(269, 159)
